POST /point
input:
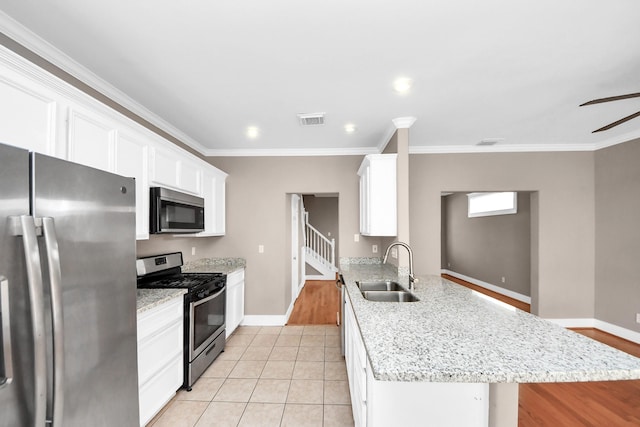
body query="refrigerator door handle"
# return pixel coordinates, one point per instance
(6, 333)
(25, 226)
(55, 281)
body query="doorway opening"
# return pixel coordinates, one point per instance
(314, 259)
(496, 252)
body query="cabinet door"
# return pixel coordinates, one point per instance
(213, 191)
(29, 114)
(189, 176)
(90, 140)
(235, 301)
(131, 160)
(164, 167)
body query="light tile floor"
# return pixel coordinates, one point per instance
(269, 376)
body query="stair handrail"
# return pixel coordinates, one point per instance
(320, 244)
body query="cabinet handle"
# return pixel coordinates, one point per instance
(6, 332)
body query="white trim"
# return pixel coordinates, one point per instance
(491, 287)
(290, 152)
(574, 323)
(404, 122)
(264, 320)
(609, 328)
(513, 148)
(289, 311)
(16, 31)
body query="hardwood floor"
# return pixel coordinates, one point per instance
(593, 404)
(606, 403)
(317, 304)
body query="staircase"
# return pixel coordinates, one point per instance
(319, 253)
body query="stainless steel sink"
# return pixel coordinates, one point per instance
(382, 285)
(390, 296)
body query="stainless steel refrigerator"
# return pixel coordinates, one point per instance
(68, 294)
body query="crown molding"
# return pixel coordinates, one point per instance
(404, 122)
(291, 152)
(524, 148)
(31, 41)
(618, 139)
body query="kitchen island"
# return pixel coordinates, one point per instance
(455, 357)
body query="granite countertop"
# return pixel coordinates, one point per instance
(454, 334)
(214, 265)
(150, 298)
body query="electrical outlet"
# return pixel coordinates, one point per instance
(448, 264)
(394, 253)
(193, 250)
(637, 317)
(260, 249)
(374, 249)
(356, 237)
(502, 279)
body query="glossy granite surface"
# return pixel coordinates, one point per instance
(454, 334)
(150, 298)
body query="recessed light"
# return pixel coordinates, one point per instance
(253, 132)
(350, 128)
(402, 85)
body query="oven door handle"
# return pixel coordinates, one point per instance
(209, 298)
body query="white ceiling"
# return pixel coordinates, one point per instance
(206, 70)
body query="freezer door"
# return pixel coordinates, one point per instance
(94, 219)
(17, 397)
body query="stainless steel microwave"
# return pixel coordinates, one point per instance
(175, 212)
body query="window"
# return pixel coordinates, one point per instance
(487, 204)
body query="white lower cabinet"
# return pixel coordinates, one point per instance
(235, 300)
(160, 356)
(407, 403)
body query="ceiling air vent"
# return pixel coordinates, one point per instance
(311, 119)
(490, 141)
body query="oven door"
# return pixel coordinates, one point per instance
(206, 321)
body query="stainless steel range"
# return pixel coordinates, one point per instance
(204, 308)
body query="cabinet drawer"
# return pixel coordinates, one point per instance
(157, 392)
(155, 353)
(158, 318)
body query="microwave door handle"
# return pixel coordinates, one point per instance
(55, 281)
(25, 226)
(6, 332)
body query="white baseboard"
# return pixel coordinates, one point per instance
(289, 310)
(610, 328)
(264, 320)
(489, 286)
(320, 276)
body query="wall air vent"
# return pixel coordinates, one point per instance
(489, 141)
(311, 119)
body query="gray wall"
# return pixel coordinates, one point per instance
(566, 220)
(258, 212)
(617, 272)
(490, 247)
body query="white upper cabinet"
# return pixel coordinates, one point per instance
(132, 160)
(90, 139)
(29, 113)
(378, 195)
(213, 191)
(41, 113)
(175, 169)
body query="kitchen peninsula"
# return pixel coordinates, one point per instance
(455, 357)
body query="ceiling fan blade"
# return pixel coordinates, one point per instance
(611, 98)
(618, 122)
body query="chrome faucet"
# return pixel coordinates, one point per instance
(412, 278)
